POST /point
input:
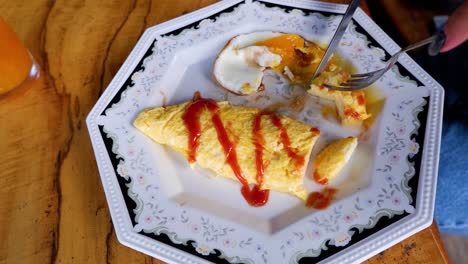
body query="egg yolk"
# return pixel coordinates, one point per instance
(301, 58)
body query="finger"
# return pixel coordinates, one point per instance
(456, 28)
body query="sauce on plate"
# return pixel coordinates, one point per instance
(321, 200)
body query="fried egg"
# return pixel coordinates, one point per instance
(331, 160)
(240, 65)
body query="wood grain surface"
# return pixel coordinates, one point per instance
(52, 205)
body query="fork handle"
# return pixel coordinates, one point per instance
(435, 44)
(421, 43)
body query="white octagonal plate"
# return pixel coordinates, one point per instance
(161, 207)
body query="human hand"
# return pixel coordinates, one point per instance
(456, 29)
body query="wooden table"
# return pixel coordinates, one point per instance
(52, 205)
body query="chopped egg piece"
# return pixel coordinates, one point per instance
(331, 160)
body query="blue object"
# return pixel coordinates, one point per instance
(451, 70)
(452, 189)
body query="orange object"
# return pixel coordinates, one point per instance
(15, 60)
(298, 57)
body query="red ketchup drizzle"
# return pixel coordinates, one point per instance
(297, 159)
(259, 142)
(319, 179)
(257, 197)
(321, 200)
(350, 112)
(315, 130)
(191, 117)
(361, 100)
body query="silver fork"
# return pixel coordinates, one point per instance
(363, 80)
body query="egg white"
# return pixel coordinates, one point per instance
(239, 66)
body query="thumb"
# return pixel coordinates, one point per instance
(456, 28)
